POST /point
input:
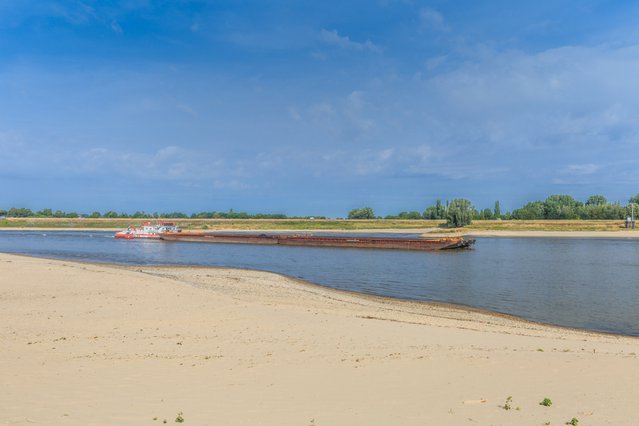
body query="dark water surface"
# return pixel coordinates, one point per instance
(584, 283)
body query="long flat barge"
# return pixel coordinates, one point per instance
(322, 241)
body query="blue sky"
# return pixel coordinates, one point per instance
(315, 108)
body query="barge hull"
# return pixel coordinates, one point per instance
(322, 241)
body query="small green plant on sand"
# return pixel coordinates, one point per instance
(573, 422)
(547, 402)
(507, 405)
(179, 418)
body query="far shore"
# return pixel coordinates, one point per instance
(87, 344)
(543, 234)
(424, 232)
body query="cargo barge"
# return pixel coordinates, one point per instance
(429, 244)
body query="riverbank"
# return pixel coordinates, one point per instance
(92, 344)
(424, 232)
(493, 227)
(538, 234)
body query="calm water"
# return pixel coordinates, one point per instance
(585, 283)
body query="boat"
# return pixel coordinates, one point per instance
(447, 243)
(147, 230)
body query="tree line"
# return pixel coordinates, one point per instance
(458, 212)
(461, 212)
(231, 214)
(566, 207)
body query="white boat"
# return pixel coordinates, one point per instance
(147, 230)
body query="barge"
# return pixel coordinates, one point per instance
(429, 244)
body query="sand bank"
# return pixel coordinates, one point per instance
(100, 345)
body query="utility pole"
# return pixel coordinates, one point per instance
(632, 215)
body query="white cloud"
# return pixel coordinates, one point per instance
(435, 62)
(115, 26)
(186, 108)
(321, 111)
(167, 164)
(76, 13)
(511, 116)
(355, 110)
(294, 113)
(333, 38)
(430, 19)
(232, 184)
(373, 162)
(581, 169)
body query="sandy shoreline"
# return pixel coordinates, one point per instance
(95, 344)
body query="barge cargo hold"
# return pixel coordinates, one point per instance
(322, 241)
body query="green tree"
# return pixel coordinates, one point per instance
(410, 215)
(561, 207)
(440, 209)
(596, 200)
(460, 213)
(603, 211)
(19, 212)
(363, 213)
(111, 214)
(429, 213)
(531, 211)
(45, 213)
(174, 215)
(497, 211)
(436, 212)
(634, 200)
(95, 215)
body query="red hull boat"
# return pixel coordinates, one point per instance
(147, 231)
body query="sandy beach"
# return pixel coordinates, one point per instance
(87, 344)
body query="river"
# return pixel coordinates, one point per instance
(584, 283)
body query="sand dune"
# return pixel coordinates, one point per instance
(101, 345)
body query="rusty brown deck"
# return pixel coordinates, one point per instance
(322, 241)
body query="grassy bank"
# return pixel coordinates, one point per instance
(318, 224)
(213, 224)
(547, 225)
